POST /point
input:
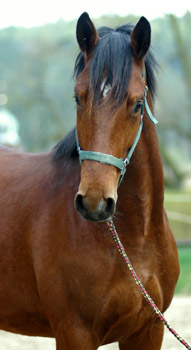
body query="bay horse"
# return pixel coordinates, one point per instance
(60, 273)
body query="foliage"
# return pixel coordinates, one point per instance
(174, 94)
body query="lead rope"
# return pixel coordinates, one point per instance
(121, 250)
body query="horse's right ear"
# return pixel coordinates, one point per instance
(86, 34)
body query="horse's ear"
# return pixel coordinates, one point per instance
(141, 38)
(86, 34)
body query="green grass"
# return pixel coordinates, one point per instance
(181, 230)
(180, 207)
(177, 201)
(184, 282)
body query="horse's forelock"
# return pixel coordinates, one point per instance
(112, 61)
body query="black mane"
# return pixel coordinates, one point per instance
(66, 147)
(112, 56)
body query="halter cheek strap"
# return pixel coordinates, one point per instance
(119, 163)
(150, 115)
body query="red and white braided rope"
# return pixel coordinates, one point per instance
(121, 250)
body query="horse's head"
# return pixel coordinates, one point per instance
(109, 94)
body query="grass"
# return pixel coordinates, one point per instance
(184, 282)
(181, 230)
(177, 201)
(180, 207)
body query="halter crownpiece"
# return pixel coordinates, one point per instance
(119, 163)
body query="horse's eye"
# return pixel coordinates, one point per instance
(77, 99)
(137, 107)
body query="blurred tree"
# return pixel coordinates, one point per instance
(38, 71)
(174, 96)
(183, 46)
(184, 53)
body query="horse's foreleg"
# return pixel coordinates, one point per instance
(72, 335)
(148, 338)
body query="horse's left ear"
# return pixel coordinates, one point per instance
(86, 34)
(141, 38)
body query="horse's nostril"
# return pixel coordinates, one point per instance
(93, 210)
(79, 202)
(110, 205)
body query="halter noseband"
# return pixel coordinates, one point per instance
(119, 163)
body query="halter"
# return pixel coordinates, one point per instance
(119, 163)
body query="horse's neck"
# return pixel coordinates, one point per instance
(142, 190)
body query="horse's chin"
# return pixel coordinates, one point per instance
(95, 218)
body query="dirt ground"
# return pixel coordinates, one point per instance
(178, 315)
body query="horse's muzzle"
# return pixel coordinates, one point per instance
(102, 211)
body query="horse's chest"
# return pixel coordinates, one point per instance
(104, 293)
(126, 311)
